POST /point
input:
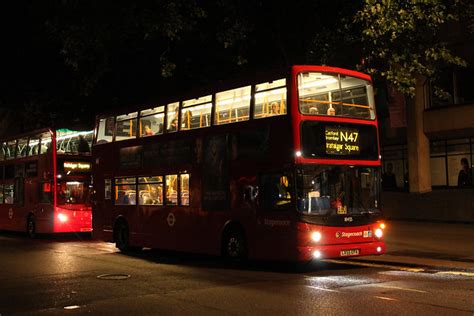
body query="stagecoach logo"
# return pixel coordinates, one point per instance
(348, 234)
(10, 213)
(275, 222)
(171, 219)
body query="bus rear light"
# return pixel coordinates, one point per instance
(316, 236)
(62, 218)
(378, 233)
(317, 254)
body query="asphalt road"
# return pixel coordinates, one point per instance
(60, 276)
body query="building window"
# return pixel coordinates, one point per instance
(395, 157)
(453, 86)
(456, 149)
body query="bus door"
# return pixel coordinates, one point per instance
(44, 213)
(103, 207)
(7, 209)
(274, 214)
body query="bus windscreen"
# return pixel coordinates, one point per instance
(73, 192)
(338, 190)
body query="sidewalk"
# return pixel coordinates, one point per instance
(433, 245)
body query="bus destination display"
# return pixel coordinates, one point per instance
(342, 141)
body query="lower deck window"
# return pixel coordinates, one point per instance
(155, 190)
(125, 191)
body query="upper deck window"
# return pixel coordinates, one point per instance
(22, 147)
(270, 98)
(68, 141)
(105, 130)
(196, 113)
(172, 116)
(336, 95)
(45, 143)
(232, 105)
(152, 121)
(33, 145)
(126, 126)
(10, 149)
(3, 146)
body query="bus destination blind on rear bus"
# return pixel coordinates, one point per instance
(342, 140)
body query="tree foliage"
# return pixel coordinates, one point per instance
(403, 39)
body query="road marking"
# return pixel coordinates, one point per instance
(373, 265)
(386, 298)
(398, 288)
(469, 274)
(72, 307)
(322, 288)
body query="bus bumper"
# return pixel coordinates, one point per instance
(310, 253)
(73, 222)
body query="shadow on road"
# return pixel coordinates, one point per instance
(62, 237)
(207, 261)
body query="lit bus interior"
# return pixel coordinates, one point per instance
(320, 94)
(68, 141)
(151, 190)
(230, 106)
(338, 190)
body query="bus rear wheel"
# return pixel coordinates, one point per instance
(234, 245)
(31, 227)
(121, 236)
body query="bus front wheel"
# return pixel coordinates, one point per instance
(234, 245)
(31, 227)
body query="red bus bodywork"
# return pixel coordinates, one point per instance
(39, 200)
(274, 235)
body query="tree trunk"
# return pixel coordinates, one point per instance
(419, 169)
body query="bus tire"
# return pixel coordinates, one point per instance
(234, 244)
(121, 236)
(31, 226)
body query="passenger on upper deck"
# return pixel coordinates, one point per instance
(148, 131)
(331, 111)
(83, 145)
(275, 108)
(313, 110)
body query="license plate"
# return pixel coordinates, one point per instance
(350, 252)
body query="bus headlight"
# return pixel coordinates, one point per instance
(316, 236)
(378, 233)
(62, 218)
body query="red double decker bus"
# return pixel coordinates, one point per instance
(45, 180)
(285, 167)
